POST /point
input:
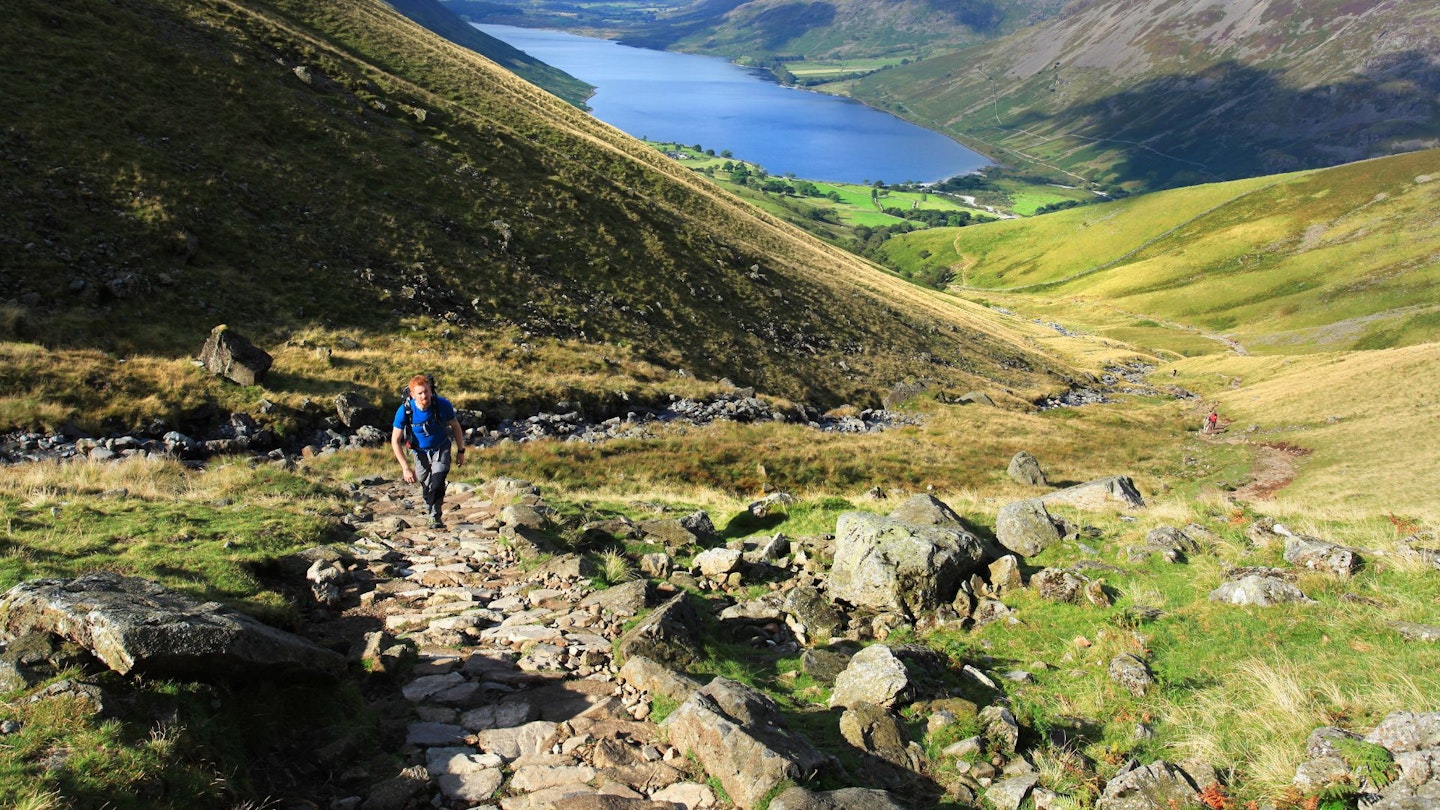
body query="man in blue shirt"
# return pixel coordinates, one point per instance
(429, 420)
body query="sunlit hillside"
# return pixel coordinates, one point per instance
(1307, 304)
(1342, 258)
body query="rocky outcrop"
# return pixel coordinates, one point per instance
(1159, 784)
(798, 798)
(1321, 555)
(1026, 527)
(887, 565)
(354, 411)
(137, 626)
(1169, 543)
(739, 737)
(1259, 590)
(668, 635)
(228, 354)
(1102, 493)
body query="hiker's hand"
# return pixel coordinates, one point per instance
(409, 476)
(458, 458)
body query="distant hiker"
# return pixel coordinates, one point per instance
(425, 423)
(1212, 421)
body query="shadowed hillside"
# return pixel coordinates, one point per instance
(286, 165)
(439, 18)
(1145, 94)
(758, 29)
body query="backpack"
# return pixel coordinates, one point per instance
(409, 418)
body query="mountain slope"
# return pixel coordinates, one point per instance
(1155, 93)
(835, 29)
(285, 165)
(1334, 259)
(437, 17)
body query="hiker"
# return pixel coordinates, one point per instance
(1212, 421)
(426, 422)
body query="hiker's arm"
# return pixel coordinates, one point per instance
(397, 445)
(458, 457)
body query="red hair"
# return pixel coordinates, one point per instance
(418, 379)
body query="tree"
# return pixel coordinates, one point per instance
(726, 153)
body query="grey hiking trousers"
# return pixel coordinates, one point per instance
(431, 469)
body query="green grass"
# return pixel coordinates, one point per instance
(1318, 261)
(212, 535)
(201, 756)
(207, 535)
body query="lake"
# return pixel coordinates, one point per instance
(689, 99)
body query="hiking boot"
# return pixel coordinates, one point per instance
(436, 522)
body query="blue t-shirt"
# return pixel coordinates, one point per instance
(432, 427)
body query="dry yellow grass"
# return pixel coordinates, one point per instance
(1258, 720)
(1372, 420)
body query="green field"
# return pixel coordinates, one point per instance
(844, 204)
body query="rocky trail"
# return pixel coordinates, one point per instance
(506, 676)
(512, 691)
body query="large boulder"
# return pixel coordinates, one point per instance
(654, 678)
(1026, 527)
(739, 737)
(1102, 493)
(1024, 469)
(873, 676)
(1258, 590)
(927, 510)
(888, 565)
(228, 354)
(137, 626)
(355, 410)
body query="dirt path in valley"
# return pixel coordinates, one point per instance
(1273, 468)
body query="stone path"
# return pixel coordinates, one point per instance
(514, 702)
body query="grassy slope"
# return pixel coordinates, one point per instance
(438, 17)
(189, 176)
(1296, 268)
(1334, 259)
(1369, 418)
(1149, 94)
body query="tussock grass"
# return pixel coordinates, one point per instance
(1269, 709)
(956, 451)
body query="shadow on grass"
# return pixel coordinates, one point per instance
(746, 523)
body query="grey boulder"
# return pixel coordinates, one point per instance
(137, 626)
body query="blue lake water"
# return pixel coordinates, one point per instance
(689, 99)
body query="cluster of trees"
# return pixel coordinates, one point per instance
(932, 217)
